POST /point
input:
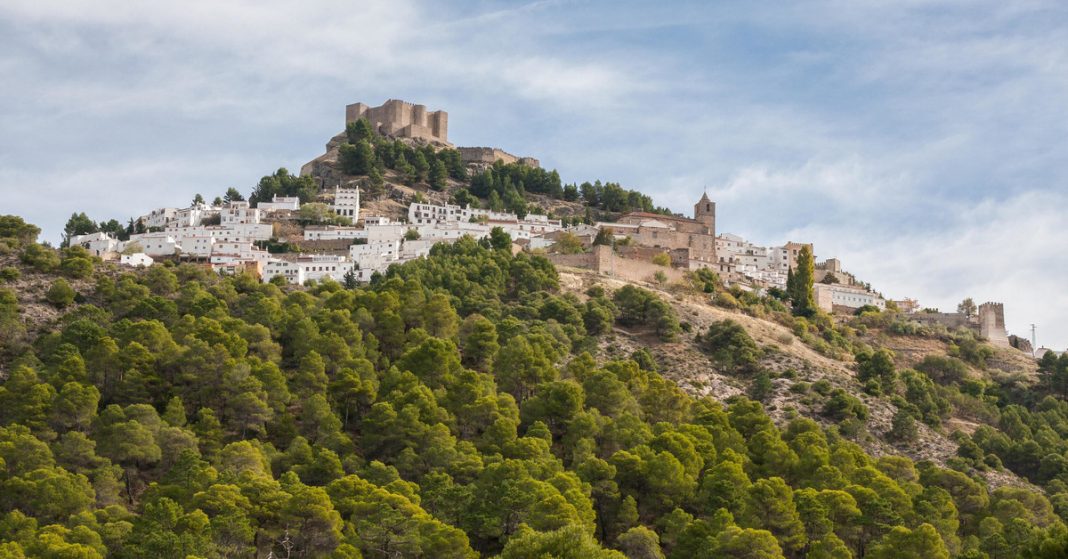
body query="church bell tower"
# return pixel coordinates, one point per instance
(705, 212)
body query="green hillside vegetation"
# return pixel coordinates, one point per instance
(501, 187)
(453, 409)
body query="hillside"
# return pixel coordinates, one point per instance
(480, 403)
(395, 171)
(793, 365)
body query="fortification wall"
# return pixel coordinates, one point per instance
(949, 320)
(635, 270)
(489, 156)
(583, 260)
(992, 323)
(603, 260)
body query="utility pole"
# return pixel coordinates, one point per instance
(1034, 344)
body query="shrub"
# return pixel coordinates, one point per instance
(943, 370)
(60, 294)
(640, 307)
(843, 406)
(76, 267)
(704, 279)
(40, 257)
(15, 228)
(903, 427)
(726, 300)
(877, 369)
(822, 387)
(662, 259)
(966, 347)
(644, 359)
(761, 387)
(922, 393)
(730, 345)
(9, 274)
(568, 243)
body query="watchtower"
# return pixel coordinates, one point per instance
(992, 323)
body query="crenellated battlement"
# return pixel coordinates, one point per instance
(992, 323)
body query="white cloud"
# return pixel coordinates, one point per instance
(1004, 250)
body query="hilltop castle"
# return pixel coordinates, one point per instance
(402, 119)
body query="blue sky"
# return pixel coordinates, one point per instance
(922, 142)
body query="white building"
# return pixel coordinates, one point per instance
(320, 267)
(382, 243)
(429, 214)
(98, 244)
(192, 216)
(238, 213)
(376, 220)
(742, 253)
(765, 265)
(195, 245)
(388, 232)
(347, 202)
(228, 254)
(382, 250)
(333, 233)
(233, 232)
(304, 268)
(159, 218)
(155, 244)
(136, 260)
(292, 272)
(280, 203)
(833, 295)
(375, 256)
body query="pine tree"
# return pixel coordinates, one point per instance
(799, 281)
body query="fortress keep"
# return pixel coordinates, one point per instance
(402, 119)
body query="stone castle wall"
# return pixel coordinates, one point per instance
(951, 321)
(989, 324)
(604, 261)
(489, 156)
(402, 119)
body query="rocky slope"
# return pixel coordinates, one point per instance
(794, 367)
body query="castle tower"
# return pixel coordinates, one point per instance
(439, 125)
(355, 112)
(419, 115)
(992, 323)
(705, 212)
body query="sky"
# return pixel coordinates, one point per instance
(920, 142)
